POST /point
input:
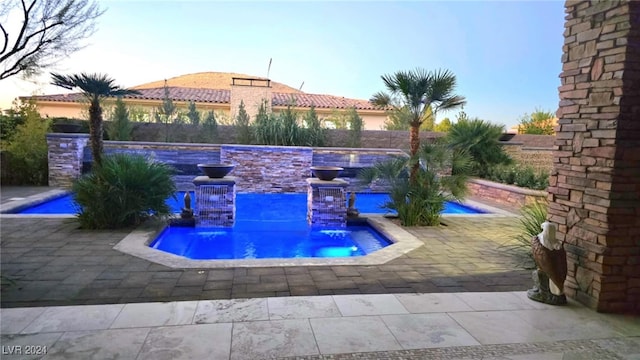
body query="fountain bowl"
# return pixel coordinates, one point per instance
(216, 171)
(326, 173)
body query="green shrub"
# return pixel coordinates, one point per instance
(243, 129)
(419, 202)
(280, 129)
(193, 114)
(123, 191)
(480, 139)
(26, 151)
(315, 134)
(120, 127)
(518, 175)
(210, 127)
(356, 125)
(531, 218)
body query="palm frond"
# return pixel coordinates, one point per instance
(381, 99)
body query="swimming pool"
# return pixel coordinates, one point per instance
(366, 203)
(288, 239)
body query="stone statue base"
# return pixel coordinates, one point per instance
(186, 213)
(352, 213)
(541, 292)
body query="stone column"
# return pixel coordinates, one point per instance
(327, 202)
(215, 203)
(594, 188)
(65, 158)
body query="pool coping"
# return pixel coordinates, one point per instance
(137, 244)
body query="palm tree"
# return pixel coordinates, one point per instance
(418, 90)
(419, 201)
(94, 87)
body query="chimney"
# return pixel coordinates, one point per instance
(252, 91)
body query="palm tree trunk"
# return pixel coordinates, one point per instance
(95, 131)
(414, 144)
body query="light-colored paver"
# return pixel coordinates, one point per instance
(353, 334)
(74, 318)
(324, 327)
(301, 307)
(206, 341)
(419, 331)
(274, 338)
(15, 320)
(499, 327)
(433, 303)
(155, 314)
(568, 324)
(356, 305)
(485, 301)
(99, 344)
(213, 311)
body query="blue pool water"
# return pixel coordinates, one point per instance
(269, 226)
(266, 226)
(287, 239)
(365, 203)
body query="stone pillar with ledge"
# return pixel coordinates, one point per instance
(215, 203)
(327, 202)
(594, 192)
(65, 158)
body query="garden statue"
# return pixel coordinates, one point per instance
(187, 211)
(351, 210)
(551, 267)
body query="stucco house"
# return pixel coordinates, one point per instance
(221, 92)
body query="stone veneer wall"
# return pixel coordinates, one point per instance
(509, 195)
(594, 189)
(66, 152)
(327, 202)
(269, 169)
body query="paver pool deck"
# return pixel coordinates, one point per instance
(457, 297)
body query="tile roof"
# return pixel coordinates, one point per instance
(221, 96)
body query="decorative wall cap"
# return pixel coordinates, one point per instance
(64, 135)
(267, 147)
(512, 188)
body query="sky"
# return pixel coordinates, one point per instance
(506, 55)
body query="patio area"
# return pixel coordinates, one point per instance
(50, 262)
(457, 297)
(489, 326)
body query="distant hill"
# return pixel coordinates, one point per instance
(213, 80)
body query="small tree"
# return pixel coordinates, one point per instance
(120, 127)
(337, 120)
(316, 135)
(210, 127)
(538, 123)
(243, 130)
(27, 149)
(166, 112)
(443, 126)
(356, 125)
(47, 32)
(193, 114)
